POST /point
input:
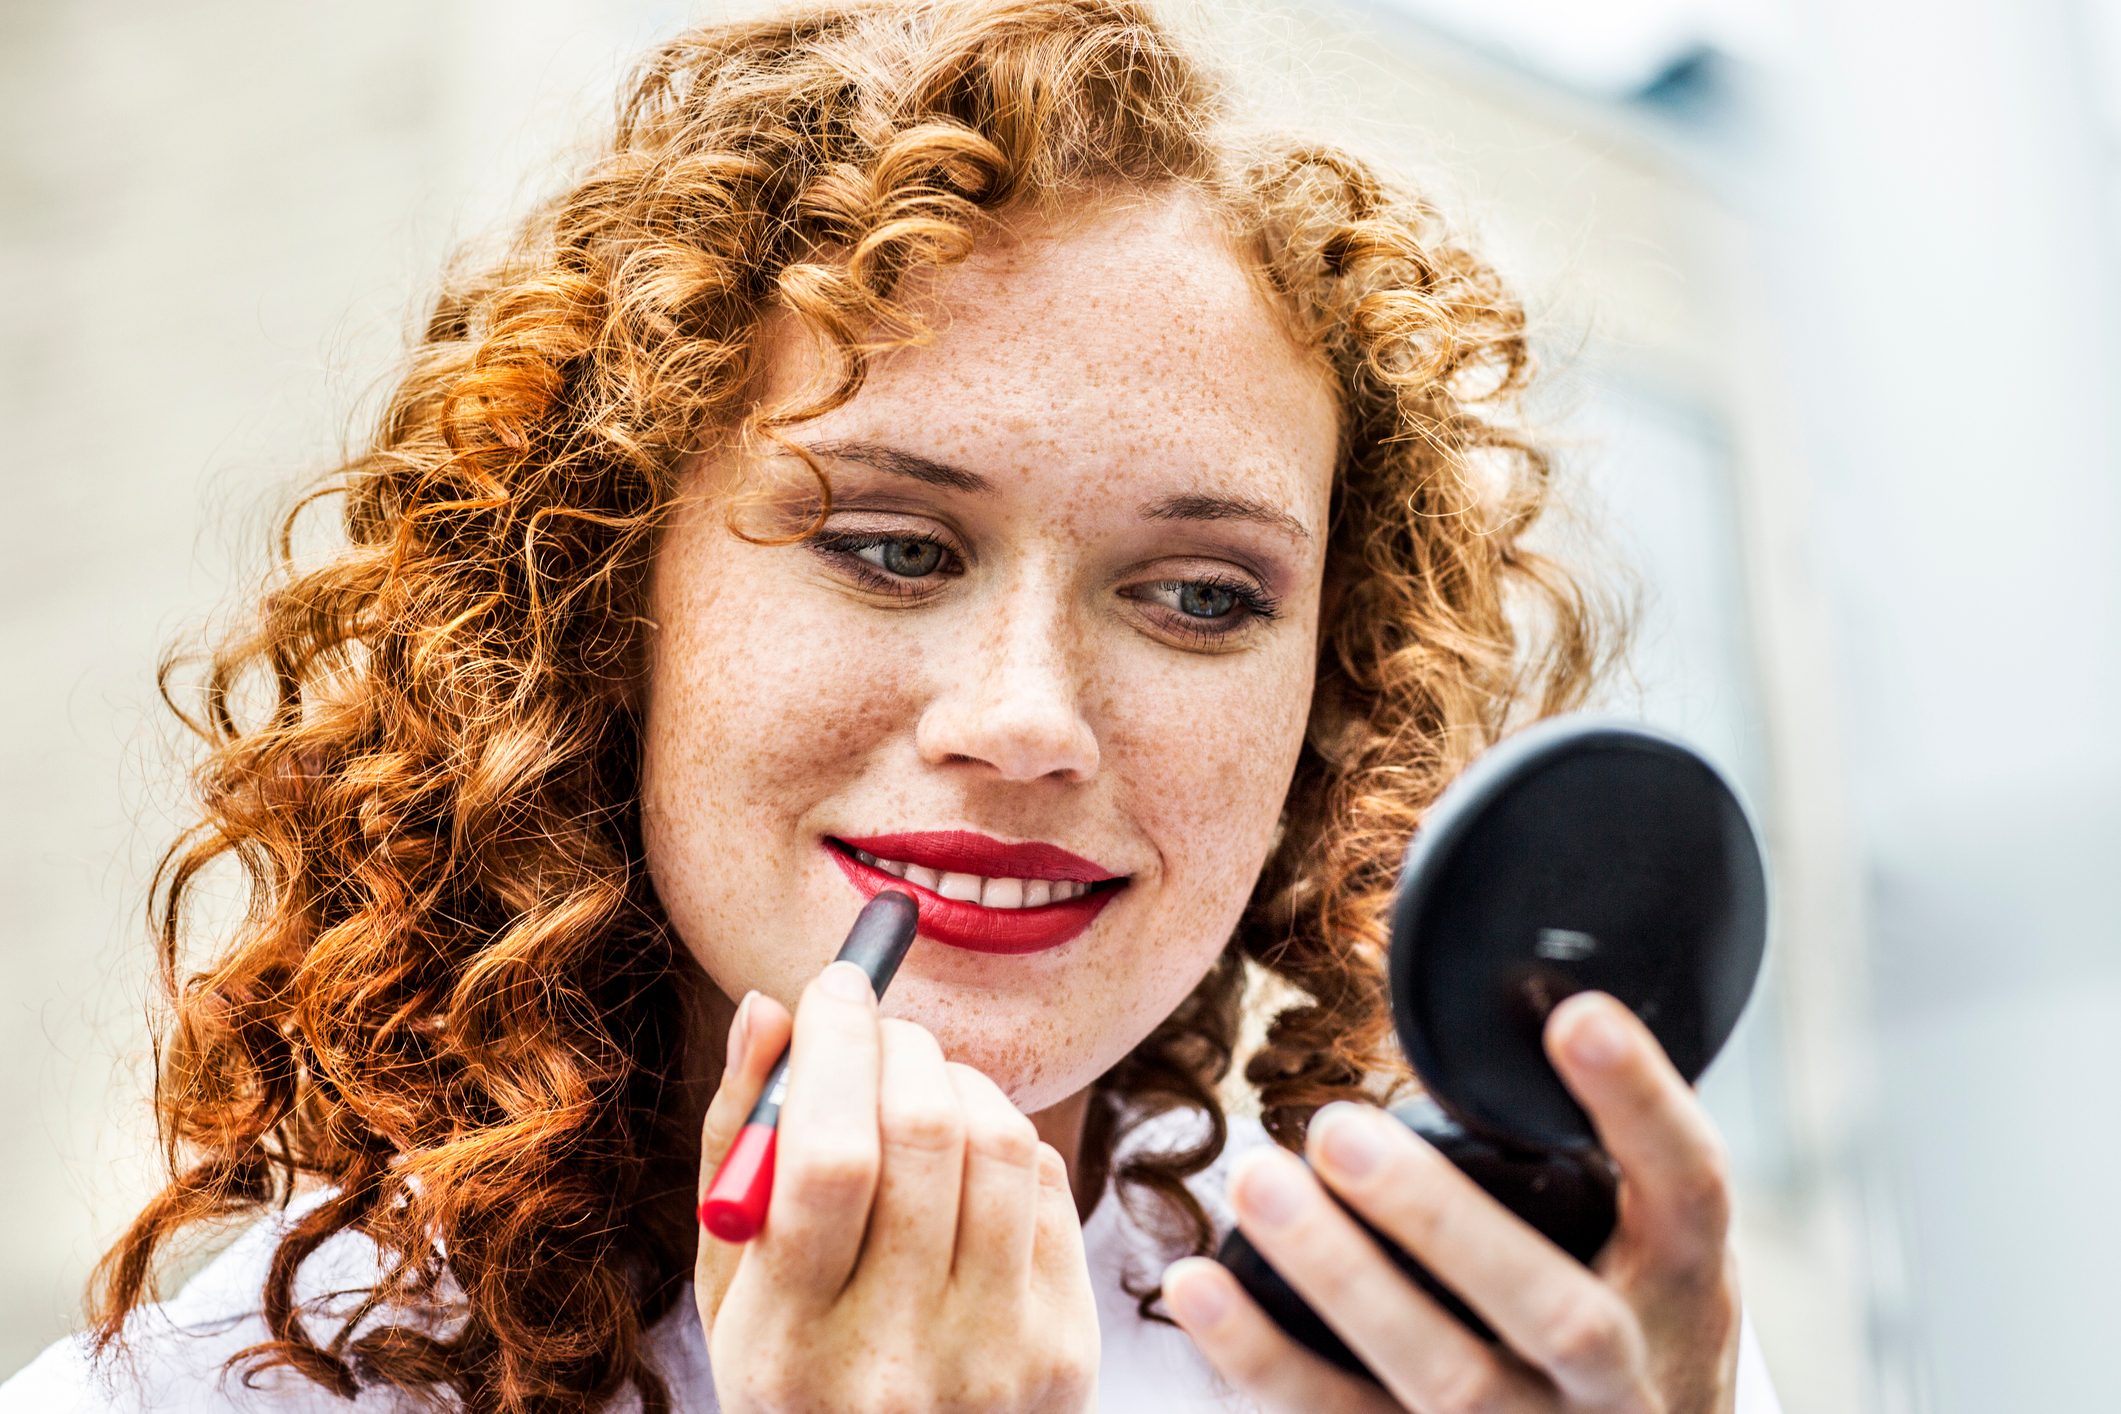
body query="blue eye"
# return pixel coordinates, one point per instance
(924, 557)
(1206, 610)
(903, 557)
(1203, 607)
(1195, 594)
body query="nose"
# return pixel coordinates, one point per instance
(1010, 694)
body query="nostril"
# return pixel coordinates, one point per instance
(1021, 739)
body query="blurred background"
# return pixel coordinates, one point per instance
(1826, 290)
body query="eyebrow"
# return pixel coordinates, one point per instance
(1184, 505)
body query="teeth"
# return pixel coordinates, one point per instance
(971, 888)
(963, 887)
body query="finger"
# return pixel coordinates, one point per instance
(913, 1224)
(757, 1035)
(825, 1171)
(1060, 1265)
(1410, 1342)
(1251, 1352)
(1677, 1213)
(997, 1214)
(1552, 1310)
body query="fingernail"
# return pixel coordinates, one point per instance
(1348, 1139)
(1597, 1040)
(1268, 1189)
(740, 1033)
(845, 981)
(1200, 1301)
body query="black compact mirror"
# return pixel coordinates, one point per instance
(1580, 854)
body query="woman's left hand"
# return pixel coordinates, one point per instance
(1652, 1329)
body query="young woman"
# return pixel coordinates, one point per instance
(931, 448)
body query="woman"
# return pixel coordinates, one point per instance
(930, 449)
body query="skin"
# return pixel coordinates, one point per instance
(1652, 1329)
(1047, 693)
(924, 1249)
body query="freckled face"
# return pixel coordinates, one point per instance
(1034, 658)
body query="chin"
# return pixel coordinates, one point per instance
(1036, 1063)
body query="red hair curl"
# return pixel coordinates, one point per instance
(453, 999)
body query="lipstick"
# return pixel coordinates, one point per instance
(961, 923)
(735, 1206)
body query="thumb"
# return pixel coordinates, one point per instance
(757, 1037)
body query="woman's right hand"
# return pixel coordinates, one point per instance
(922, 1249)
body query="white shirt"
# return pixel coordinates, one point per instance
(175, 1353)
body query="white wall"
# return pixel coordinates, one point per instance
(1948, 269)
(215, 219)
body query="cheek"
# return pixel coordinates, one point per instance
(1209, 761)
(1201, 764)
(759, 707)
(771, 713)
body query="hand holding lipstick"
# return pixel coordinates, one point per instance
(921, 1249)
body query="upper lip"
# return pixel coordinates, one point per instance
(970, 852)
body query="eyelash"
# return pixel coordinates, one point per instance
(839, 546)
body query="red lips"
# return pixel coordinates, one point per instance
(971, 925)
(967, 852)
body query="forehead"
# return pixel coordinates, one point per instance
(1129, 338)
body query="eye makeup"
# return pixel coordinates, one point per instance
(843, 548)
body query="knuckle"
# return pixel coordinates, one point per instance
(1470, 1387)
(1699, 1192)
(1709, 1297)
(922, 1125)
(1719, 1316)
(1585, 1338)
(1063, 1378)
(1021, 1383)
(888, 1398)
(982, 1391)
(832, 1173)
(1704, 1190)
(1008, 1138)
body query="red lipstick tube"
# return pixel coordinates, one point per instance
(735, 1206)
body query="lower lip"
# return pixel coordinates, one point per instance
(973, 926)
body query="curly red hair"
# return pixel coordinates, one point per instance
(453, 1001)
